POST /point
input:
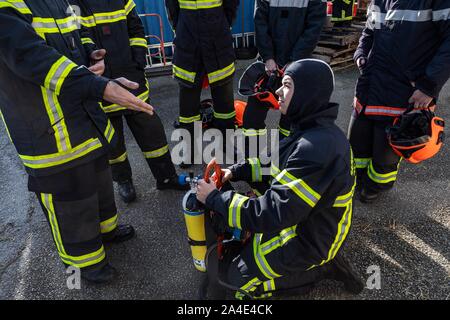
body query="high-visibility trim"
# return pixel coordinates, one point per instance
(199, 4)
(156, 153)
(344, 200)
(410, 15)
(57, 120)
(115, 107)
(109, 225)
(109, 17)
(189, 120)
(289, 4)
(234, 210)
(184, 74)
(256, 192)
(88, 21)
(362, 163)
(274, 171)
(221, 74)
(279, 241)
(119, 159)
(248, 287)
(384, 111)
(254, 132)
(269, 287)
(284, 132)
(129, 6)
(381, 177)
(255, 164)
(77, 261)
(225, 116)
(441, 15)
(51, 25)
(109, 131)
(17, 5)
(299, 187)
(87, 41)
(261, 261)
(51, 160)
(58, 73)
(138, 42)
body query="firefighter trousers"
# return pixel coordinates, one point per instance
(151, 138)
(224, 113)
(82, 213)
(342, 10)
(376, 163)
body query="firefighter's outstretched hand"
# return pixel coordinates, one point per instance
(98, 62)
(204, 189)
(420, 99)
(115, 92)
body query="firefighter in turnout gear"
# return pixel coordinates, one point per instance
(404, 60)
(203, 50)
(299, 225)
(285, 31)
(342, 15)
(115, 26)
(48, 102)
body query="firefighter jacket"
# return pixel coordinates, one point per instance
(288, 30)
(303, 218)
(115, 25)
(48, 98)
(407, 46)
(203, 41)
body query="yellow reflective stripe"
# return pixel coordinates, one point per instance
(234, 210)
(379, 177)
(184, 74)
(115, 107)
(248, 287)
(47, 201)
(268, 287)
(299, 187)
(85, 260)
(88, 21)
(56, 118)
(189, 120)
(17, 5)
(261, 261)
(119, 159)
(109, 225)
(274, 171)
(225, 116)
(156, 153)
(51, 160)
(58, 73)
(362, 163)
(256, 169)
(129, 6)
(221, 74)
(109, 17)
(199, 4)
(109, 131)
(279, 241)
(140, 42)
(254, 132)
(87, 41)
(284, 132)
(51, 25)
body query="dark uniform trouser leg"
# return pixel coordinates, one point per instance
(121, 169)
(189, 101)
(80, 218)
(376, 162)
(151, 138)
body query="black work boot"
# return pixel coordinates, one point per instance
(368, 196)
(126, 191)
(103, 275)
(122, 233)
(172, 183)
(340, 269)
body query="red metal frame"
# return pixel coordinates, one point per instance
(161, 31)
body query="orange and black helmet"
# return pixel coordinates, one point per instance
(256, 82)
(417, 136)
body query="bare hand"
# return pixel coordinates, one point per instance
(114, 93)
(98, 62)
(204, 189)
(361, 62)
(420, 99)
(271, 66)
(226, 175)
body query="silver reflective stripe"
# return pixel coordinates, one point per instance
(71, 23)
(289, 3)
(344, 226)
(382, 110)
(409, 15)
(59, 127)
(440, 15)
(260, 259)
(53, 223)
(344, 201)
(377, 17)
(219, 76)
(178, 71)
(44, 25)
(64, 156)
(199, 4)
(298, 185)
(270, 285)
(256, 169)
(79, 262)
(280, 241)
(119, 15)
(88, 21)
(58, 73)
(109, 132)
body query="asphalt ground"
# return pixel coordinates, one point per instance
(406, 234)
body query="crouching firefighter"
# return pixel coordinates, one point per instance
(203, 53)
(116, 27)
(397, 71)
(300, 224)
(48, 99)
